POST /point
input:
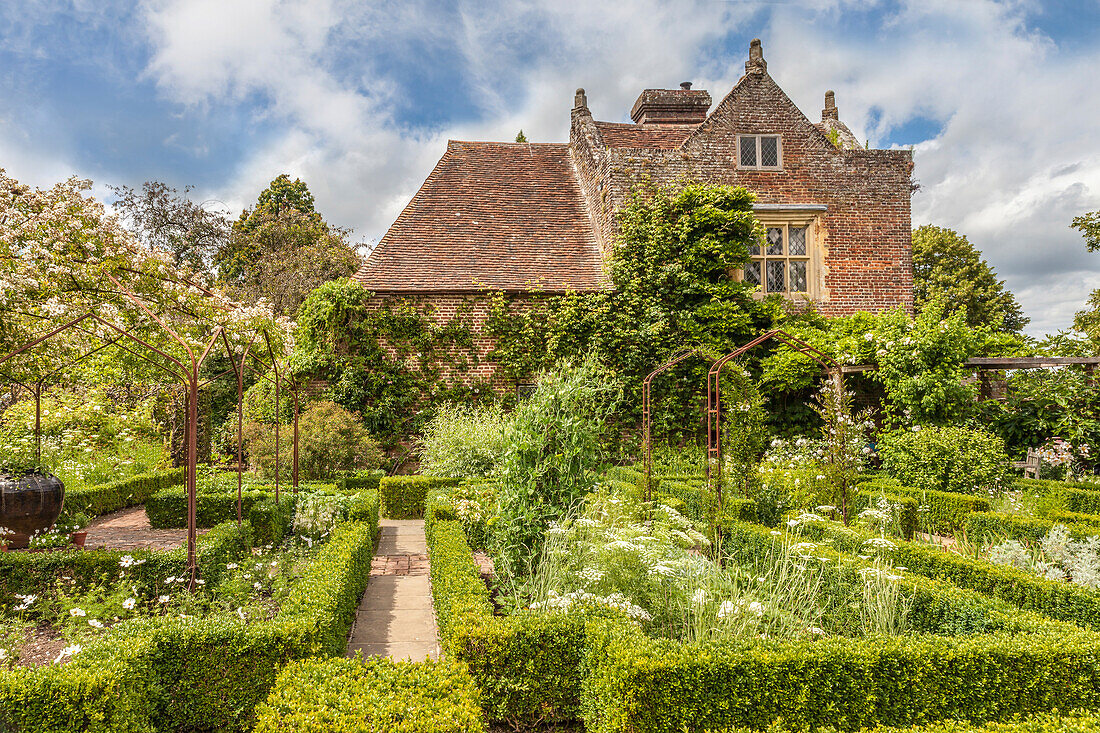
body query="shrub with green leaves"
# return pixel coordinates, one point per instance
(952, 459)
(375, 694)
(553, 449)
(330, 439)
(463, 441)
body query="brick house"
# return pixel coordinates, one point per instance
(527, 217)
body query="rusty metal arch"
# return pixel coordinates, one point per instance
(714, 396)
(647, 443)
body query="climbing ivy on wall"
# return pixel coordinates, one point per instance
(672, 270)
(390, 364)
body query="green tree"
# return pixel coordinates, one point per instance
(520, 137)
(282, 249)
(167, 219)
(1088, 320)
(946, 264)
(1089, 226)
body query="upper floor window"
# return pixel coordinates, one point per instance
(784, 263)
(760, 151)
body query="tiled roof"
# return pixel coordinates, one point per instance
(505, 216)
(665, 137)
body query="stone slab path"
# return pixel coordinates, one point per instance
(395, 617)
(129, 529)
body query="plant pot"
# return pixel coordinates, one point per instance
(29, 502)
(79, 538)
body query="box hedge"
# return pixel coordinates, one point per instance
(354, 481)
(163, 674)
(908, 516)
(377, 694)
(271, 519)
(527, 666)
(110, 497)
(168, 508)
(996, 527)
(403, 497)
(939, 512)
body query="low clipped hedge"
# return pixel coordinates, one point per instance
(403, 497)
(172, 674)
(110, 497)
(907, 508)
(939, 512)
(527, 666)
(641, 684)
(338, 695)
(35, 572)
(271, 519)
(168, 508)
(353, 482)
(1055, 599)
(994, 526)
(365, 507)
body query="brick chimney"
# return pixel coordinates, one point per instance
(756, 63)
(830, 112)
(683, 106)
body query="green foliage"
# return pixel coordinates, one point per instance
(520, 137)
(951, 459)
(330, 439)
(527, 667)
(1089, 226)
(553, 448)
(745, 435)
(947, 266)
(385, 363)
(463, 442)
(671, 267)
(96, 500)
(939, 512)
(1041, 404)
(404, 497)
(271, 519)
(168, 508)
(366, 507)
(376, 694)
(354, 481)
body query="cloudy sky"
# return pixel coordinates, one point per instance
(1000, 100)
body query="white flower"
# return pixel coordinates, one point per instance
(68, 652)
(815, 630)
(129, 604)
(231, 566)
(756, 608)
(726, 609)
(126, 561)
(77, 612)
(95, 623)
(699, 597)
(880, 543)
(163, 599)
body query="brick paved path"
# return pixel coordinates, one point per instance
(395, 617)
(129, 529)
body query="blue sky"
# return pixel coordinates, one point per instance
(998, 98)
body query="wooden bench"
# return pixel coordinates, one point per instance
(1031, 465)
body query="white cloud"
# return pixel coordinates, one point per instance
(1016, 159)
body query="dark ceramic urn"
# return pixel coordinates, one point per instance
(29, 502)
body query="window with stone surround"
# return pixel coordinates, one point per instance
(759, 152)
(784, 262)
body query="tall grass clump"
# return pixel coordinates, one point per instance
(463, 442)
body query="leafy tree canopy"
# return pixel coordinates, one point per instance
(166, 219)
(282, 194)
(946, 265)
(1088, 320)
(520, 137)
(1089, 226)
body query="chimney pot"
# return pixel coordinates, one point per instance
(580, 100)
(685, 85)
(830, 112)
(756, 63)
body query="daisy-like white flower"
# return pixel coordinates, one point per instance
(77, 612)
(129, 604)
(163, 599)
(231, 566)
(95, 623)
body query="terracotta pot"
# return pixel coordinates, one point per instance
(79, 538)
(29, 502)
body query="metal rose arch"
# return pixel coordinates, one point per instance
(714, 396)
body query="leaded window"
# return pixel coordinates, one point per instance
(759, 151)
(781, 264)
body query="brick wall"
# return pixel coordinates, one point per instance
(473, 310)
(867, 263)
